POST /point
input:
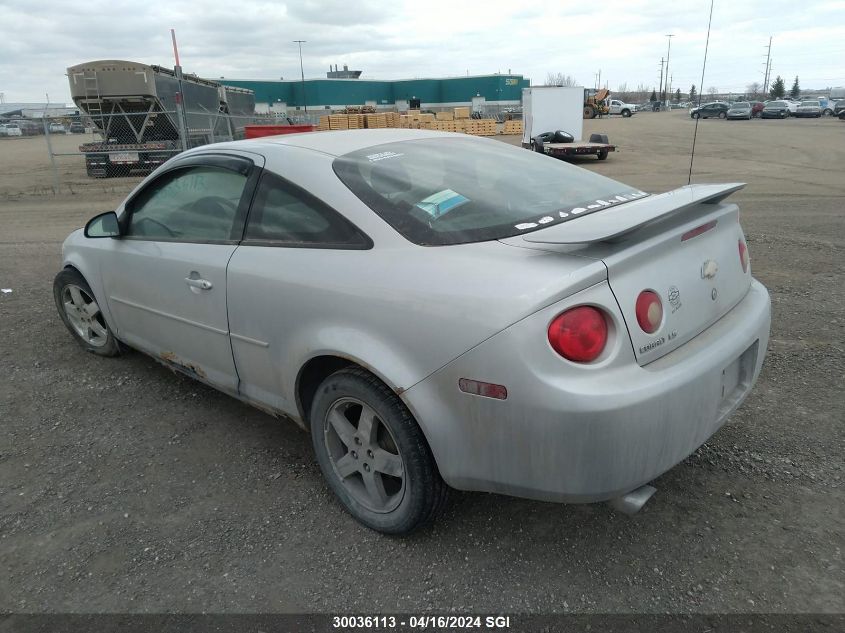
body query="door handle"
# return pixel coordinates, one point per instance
(202, 284)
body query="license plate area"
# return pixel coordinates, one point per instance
(736, 378)
(124, 157)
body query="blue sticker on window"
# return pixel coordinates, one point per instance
(442, 202)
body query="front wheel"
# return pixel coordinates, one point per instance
(81, 314)
(373, 454)
(723, 115)
(626, 113)
(602, 154)
(695, 115)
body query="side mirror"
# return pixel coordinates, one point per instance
(103, 225)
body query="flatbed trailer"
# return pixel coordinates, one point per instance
(568, 150)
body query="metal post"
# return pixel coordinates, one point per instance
(302, 73)
(50, 151)
(180, 97)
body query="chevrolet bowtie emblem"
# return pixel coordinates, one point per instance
(709, 269)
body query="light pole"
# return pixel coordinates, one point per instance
(669, 37)
(302, 73)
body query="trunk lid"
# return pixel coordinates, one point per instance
(684, 246)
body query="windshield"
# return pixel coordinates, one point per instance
(437, 191)
(776, 104)
(740, 106)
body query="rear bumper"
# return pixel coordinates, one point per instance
(580, 434)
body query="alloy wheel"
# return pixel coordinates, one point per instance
(364, 455)
(84, 315)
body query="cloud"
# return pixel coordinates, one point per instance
(624, 39)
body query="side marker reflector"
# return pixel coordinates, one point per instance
(485, 389)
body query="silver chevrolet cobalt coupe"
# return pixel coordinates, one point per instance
(438, 310)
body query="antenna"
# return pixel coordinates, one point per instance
(703, 66)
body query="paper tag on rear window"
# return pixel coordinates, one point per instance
(442, 202)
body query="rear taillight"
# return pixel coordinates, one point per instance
(649, 311)
(579, 334)
(744, 259)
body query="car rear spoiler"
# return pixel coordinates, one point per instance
(612, 223)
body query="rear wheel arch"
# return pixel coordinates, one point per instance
(316, 369)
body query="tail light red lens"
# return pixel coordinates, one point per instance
(579, 334)
(744, 259)
(649, 311)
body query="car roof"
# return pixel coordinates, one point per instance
(337, 142)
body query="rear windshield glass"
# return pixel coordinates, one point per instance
(810, 103)
(437, 191)
(776, 104)
(741, 106)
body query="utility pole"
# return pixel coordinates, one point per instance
(669, 36)
(768, 66)
(302, 73)
(660, 88)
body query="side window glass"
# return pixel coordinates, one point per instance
(195, 203)
(283, 213)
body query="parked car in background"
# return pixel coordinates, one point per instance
(710, 110)
(792, 104)
(826, 105)
(810, 108)
(77, 128)
(620, 107)
(775, 110)
(10, 129)
(740, 110)
(838, 107)
(757, 108)
(563, 376)
(57, 128)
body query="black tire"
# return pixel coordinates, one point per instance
(423, 492)
(723, 115)
(602, 155)
(695, 115)
(626, 113)
(106, 345)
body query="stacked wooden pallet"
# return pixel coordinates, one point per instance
(376, 121)
(324, 124)
(446, 126)
(481, 127)
(392, 119)
(444, 116)
(338, 122)
(512, 127)
(462, 112)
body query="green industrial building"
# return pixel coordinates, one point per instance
(333, 94)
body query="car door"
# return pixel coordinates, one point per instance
(280, 280)
(165, 278)
(615, 106)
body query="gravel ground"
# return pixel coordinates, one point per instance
(125, 487)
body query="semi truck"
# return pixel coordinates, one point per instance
(145, 114)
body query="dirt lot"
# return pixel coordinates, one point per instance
(124, 487)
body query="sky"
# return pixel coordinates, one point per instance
(393, 39)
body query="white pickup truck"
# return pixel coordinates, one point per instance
(620, 107)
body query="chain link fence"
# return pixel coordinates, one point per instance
(108, 151)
